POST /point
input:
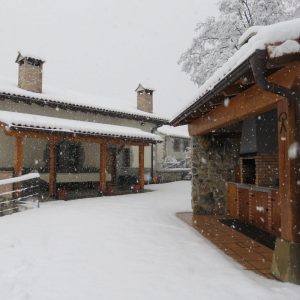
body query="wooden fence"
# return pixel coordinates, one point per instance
(19, 193)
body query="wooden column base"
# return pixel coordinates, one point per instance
(136, 188)
(286, 261)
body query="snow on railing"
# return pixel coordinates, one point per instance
(16, 191)
(19, 178)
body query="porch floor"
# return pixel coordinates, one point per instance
(252, 255)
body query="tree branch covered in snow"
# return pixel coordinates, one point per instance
(217, 38)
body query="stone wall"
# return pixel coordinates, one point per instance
(30, 77)
(145, 101)
(214, 162)
(171, 175)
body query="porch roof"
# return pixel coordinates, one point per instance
(280, 41)
(14, 121)
(180, 131)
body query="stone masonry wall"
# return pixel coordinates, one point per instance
(30, 77)
(171, 175)
(214, 161)
(145, 102)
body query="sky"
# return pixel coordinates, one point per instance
(106, 47)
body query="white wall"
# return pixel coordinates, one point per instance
(34, 150)
(7, 146)
(166, 148)
(135, 157)
(91, 155)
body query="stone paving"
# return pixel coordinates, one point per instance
(252, 255)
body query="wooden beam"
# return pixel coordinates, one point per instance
(249, 103)
(52, 169)
(236, 89)
(76, 138)
(103, 158)
(141, 167)
(289, 189)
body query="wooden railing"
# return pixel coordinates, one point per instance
(255, 205)
(16, 192)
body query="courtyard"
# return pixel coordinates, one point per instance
(122, 247)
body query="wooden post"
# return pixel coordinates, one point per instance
(19, 161)
(52, 169)
(103, 157)
(19, 155)
(289, 190)
(286, 263)
(113, 165)
(141, 167)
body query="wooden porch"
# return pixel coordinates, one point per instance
(250, 254)
(104, 141)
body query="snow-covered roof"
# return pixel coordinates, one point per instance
(260, 38)
(249, 33)
(79, 101)
(59, 125)
(288, 47)
(180, 131)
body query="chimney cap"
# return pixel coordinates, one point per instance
(142, 88)
(20, 58)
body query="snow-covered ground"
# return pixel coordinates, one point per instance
(124, 247)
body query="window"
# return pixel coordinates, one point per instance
(176, 144)
(69, 157)
(186, 144)
(126, 158)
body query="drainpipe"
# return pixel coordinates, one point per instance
(258, 64)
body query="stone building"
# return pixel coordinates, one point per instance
(172, 156)
(245, 140)
(74, 142)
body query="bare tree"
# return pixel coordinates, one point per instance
(216, 38)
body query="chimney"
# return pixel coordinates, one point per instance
(144, 99)
(259, 150)
(30, 73)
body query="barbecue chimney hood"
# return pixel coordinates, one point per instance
(259, 134)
